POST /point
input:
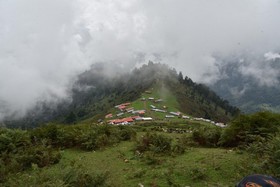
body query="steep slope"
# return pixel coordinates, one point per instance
(97, 91)
(165, 83)
(177, 100)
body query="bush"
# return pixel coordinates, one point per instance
(86, 137)
(126, 133)
(74, 176)
(45, 156)
(48, 132)
(198, 174)
(207, 136)
(156, 143)
(24, 158)
(178, 148)
(87, 140)
(18, 152)
(12, 140)
(274, 155)
(267, 152)
(20, 149)
(247, 129)
(77, 177)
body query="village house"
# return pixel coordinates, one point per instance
(185, 117)
(131, 109)
(152, 106)
(121, 121)
(138, 119)
(120, 114)
(175, 113)
(158, 110)
(135, 117)
(169, 116)
(121, 107)
(140, 112)
(158, 100)
(220, 125)
(109, 116)
(147, 119)
(198, 119)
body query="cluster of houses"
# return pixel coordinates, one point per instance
(210, 121)
(138, 115)
(171, 114)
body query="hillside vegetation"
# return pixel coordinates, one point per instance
(150, 154)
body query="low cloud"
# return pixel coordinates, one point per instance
(237, 92)
(45, 44)
(271, 56)
(263, 73)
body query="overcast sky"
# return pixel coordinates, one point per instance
(45, 43)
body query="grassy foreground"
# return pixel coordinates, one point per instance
(196, 167)
(146, 154)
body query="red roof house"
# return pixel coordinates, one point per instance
(109, 116)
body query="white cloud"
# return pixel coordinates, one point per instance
(263, 73)
(45, 43)
(271, 56)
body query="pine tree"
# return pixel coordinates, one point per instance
(180, 77)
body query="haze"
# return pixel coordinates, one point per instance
(44, 44)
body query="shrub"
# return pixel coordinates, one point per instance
(74, 176)
(18, 152)
(274, 155)
(247, 129)
(20, 149)
(45, 156)
(48, 132)
(267, 152)
(207, 136)
(95, 137)
(151, 159)
(126, 133)
(87, 140)
(23, 159)
(178, 148)
(12, 140)
(198, 174)
(77, 177)
(156, 143)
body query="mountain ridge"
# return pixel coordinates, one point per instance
(95, 93)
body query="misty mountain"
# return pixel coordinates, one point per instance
(250, 87)
(97, 90)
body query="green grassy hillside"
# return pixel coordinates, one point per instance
(159, 153)
(121, 164)
(159, 82)
(197, 167)
(165, 97)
